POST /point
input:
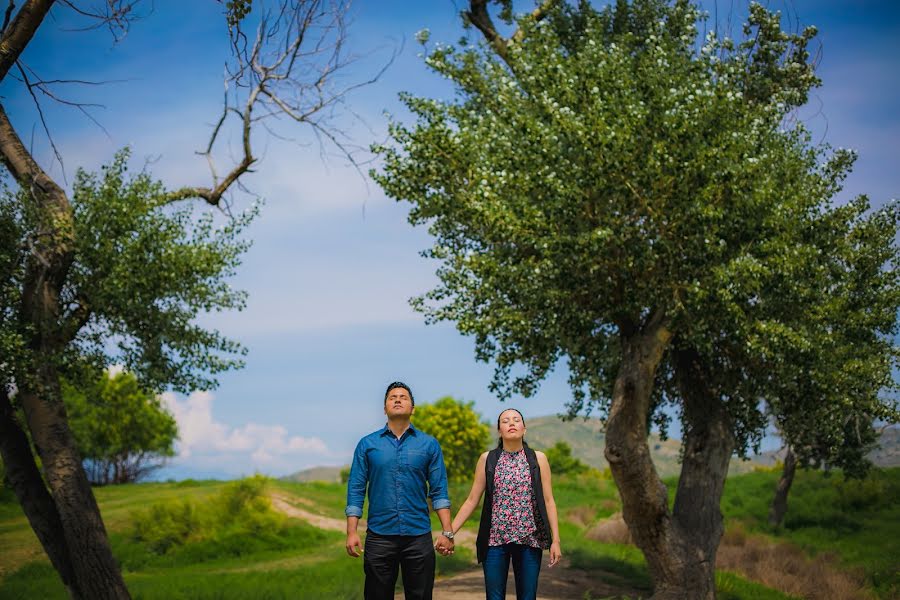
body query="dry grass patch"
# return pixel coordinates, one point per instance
(582, 516)
(785, 567)
(610, 531)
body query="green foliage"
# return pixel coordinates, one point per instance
(559, 455)
(143, 270)
(462, 433)
(236, 11)
(122, 431)
(859, 520)
(614, 167)
(242, 510)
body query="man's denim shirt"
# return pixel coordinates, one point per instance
(396, 472)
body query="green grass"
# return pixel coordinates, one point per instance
(859, 521)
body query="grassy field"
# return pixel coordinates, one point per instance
(202, 543)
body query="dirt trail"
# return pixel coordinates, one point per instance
(287, 505)
(559, 583)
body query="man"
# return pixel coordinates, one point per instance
(396, 462)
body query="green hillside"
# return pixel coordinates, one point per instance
(245, 549)
(327, 474)
(587, 440)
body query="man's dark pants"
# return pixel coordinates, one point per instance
(385, 554)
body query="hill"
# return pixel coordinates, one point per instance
(587, 440)
(326, 474)
(888, 452)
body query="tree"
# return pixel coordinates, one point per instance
(606, 189)
(462, 433)
(120, 261)
(122, 431)
(559, 455)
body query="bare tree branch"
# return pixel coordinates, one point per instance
(117, 15)
(291, 70)
(40, 110)
(479, 17)
(20, 31)
(8, 15)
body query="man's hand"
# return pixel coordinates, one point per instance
(444, 545)
(354, 548)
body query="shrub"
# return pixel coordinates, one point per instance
(239, 511)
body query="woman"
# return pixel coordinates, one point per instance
(518, 519)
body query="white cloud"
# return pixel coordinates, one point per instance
(206, 441)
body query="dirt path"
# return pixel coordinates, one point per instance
(559, 583)
(288, 505)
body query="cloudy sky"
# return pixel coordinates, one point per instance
(334, 262)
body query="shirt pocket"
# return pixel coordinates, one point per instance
(418, 460)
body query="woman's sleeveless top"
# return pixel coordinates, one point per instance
(514, 510)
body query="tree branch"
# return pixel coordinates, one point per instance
(479, 17)
(20, 31)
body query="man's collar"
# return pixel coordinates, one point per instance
(412, 430)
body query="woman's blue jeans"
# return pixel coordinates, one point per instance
(526, 561)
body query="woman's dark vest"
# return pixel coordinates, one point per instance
(540, 519)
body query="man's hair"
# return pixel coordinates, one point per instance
(399, 384)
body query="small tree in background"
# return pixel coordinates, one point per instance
(121, 429)
(462, 433)
(559, 455)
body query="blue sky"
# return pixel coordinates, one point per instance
(334, 261)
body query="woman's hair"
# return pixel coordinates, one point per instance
(500, 439)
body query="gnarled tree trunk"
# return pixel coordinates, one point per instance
(779, 502)
(679, 545)
(82, 533)
(32, 494)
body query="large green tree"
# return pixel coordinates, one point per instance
(119, 263)
(608, 188)
(461, 431)
(122, 431)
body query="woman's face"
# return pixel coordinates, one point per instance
(511, 425)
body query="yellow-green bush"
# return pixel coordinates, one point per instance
(241, 508)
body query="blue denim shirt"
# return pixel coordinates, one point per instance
(396, 472)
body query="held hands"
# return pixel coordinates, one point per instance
(353, 546)
(444, 546)
(555, 554)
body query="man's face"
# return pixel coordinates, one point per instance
(398, 404)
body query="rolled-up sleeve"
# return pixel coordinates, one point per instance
(356, 484)
(437, 479)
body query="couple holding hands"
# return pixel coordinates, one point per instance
(401, 466)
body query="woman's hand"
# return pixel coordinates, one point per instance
(555, 554)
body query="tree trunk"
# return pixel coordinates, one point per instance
(779, 502)
(32, 494)
(679, 545)
(708, 446)
(96, 573)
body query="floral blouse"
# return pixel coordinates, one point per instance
(514, 507)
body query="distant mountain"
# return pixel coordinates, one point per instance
(888, 452)
(587, 440)
(328, 474)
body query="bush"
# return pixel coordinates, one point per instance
(242, 510)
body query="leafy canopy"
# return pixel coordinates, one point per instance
(144, 269)
(613, 167)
